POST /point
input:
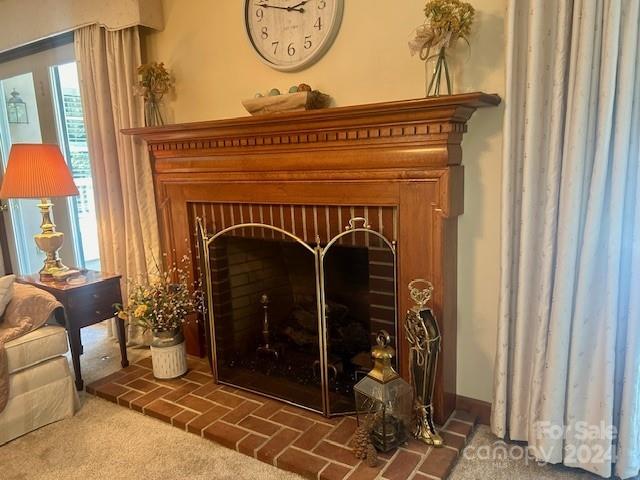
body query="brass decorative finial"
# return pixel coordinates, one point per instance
(420, 295)
(382, 355)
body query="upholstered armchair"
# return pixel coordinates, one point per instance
(40, 385)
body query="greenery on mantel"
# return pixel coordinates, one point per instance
(446, 22)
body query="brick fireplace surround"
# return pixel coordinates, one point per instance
(287, 437)
(403, 155)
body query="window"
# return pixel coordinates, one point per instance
(74, 139)
(50, 112)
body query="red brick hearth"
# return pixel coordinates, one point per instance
(287, 437)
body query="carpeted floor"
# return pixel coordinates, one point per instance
(105, 441)
(482, 469)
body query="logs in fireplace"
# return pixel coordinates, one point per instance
(293, 171)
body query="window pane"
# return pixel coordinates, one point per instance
(75, 144)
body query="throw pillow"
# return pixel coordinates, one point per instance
(6, 291)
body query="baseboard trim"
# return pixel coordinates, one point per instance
(479, 408)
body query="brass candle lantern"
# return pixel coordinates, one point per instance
(17, 109)
(423, 335)
(384, 399)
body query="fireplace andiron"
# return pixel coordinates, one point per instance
(423, 335)
(266, 347)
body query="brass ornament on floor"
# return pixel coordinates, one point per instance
(423, 335)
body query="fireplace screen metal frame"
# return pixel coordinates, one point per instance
(205, 240)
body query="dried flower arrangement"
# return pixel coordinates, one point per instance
(155, 82)
(162, 300)
(446, 21)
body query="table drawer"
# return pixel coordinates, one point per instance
(95, 303)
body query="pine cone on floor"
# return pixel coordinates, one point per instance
(361, 442)
(372, 456)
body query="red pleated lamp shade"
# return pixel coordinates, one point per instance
(37, 171)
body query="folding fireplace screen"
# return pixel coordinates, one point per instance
(294, 306)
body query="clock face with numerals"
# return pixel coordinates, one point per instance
(292, 34)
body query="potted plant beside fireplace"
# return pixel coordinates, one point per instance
(161, 302)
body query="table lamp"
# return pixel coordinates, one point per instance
(39, 171)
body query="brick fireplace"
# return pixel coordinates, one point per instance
(400, 157)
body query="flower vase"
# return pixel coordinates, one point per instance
(152, 112)
(168, 354)
(440, 68)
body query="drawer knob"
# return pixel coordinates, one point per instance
(96, 296)
(98, 312)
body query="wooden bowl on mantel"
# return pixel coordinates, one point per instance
(288, 102)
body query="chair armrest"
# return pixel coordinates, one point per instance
(32, 302)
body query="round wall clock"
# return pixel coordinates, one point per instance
(292, 34)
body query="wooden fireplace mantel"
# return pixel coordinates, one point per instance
(403, 154)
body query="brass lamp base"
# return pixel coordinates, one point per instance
(49, 241)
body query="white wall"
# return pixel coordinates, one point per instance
(205, 46)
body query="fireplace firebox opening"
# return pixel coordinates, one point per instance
(295, 320)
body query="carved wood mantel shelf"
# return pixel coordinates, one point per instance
(405, 155)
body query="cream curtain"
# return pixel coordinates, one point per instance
(127, 222)
(569, 328)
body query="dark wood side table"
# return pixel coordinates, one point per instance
(85, 304)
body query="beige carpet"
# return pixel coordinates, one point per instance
(480, 469)
(104, 441)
